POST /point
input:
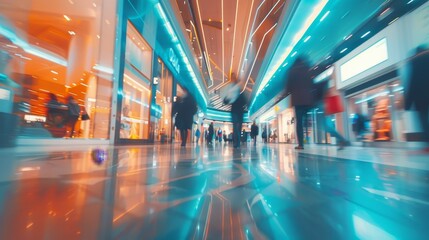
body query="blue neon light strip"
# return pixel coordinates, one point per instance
(180, 50)
(295, 32)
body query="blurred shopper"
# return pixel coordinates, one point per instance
(219, 135)
(264, 135)
(184, 109)
(416, 94)
(238, 104)
(254, 132)
(73, 114)
(358, 126)
(300, 86)
(274, 137)
(56, 113)
(210, 133)
(197, 135)
(331, 104)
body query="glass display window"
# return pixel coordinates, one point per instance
(163, 100)
(377, 114)
(136, 91)
(135, 108)
(55, 56)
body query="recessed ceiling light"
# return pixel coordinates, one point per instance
(325, 15)
(366, 34)
(345, 49)
(307, 38)
(67, 17)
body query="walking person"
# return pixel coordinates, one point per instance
(219, 135)
(416, 94)
(184, 109)
(329, 107)
(238, 103)
(264, 135)
(73, 114)
(197, 135)
(210, 133)
(300, 86)
(254, 132)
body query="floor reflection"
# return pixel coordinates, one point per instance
(168, 192)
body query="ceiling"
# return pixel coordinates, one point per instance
(247, 37)
(229, 37)
(347, 25)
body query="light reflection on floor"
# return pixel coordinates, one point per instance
(169, 192)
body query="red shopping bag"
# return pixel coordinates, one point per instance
(333, 105)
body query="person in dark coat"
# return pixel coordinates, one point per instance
(238, 104)
(184, 109)
(301, 88)
(237, 114)
(73, 114)
(210, 134)
(254, 132)
(417, 90)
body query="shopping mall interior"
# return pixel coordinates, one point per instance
(92, 97)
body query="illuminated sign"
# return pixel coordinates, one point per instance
(155, 80)
(4, 94)
(365, 60)
(173, 60)
(34, 118)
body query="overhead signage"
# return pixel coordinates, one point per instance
(365, 60)
(173, 60)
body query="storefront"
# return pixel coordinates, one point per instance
(60, 53)
(136, 88)
(287, 127)
(382, 110)
(373, 78)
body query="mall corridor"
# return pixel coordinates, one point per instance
(213, 192)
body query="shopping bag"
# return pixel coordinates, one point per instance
(85, 117)
(333, 105)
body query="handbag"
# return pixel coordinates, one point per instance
(84, 117)
(333, 104)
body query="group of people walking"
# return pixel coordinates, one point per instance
(305, 95)
(59, 115)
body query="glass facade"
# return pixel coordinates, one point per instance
(382, 110)
(136, 93)
(163, 102)
(60, 55)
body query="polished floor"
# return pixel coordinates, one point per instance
(215, 192)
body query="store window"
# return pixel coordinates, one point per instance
(136, 92)
(377, 114)
(64, 80)
(163, 101)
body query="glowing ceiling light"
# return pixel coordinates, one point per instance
(307, 38)
(325, 15)
(366, 34)
(345, 49)
(282, 53)
(67, 18)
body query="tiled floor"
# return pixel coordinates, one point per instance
(169, 192)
